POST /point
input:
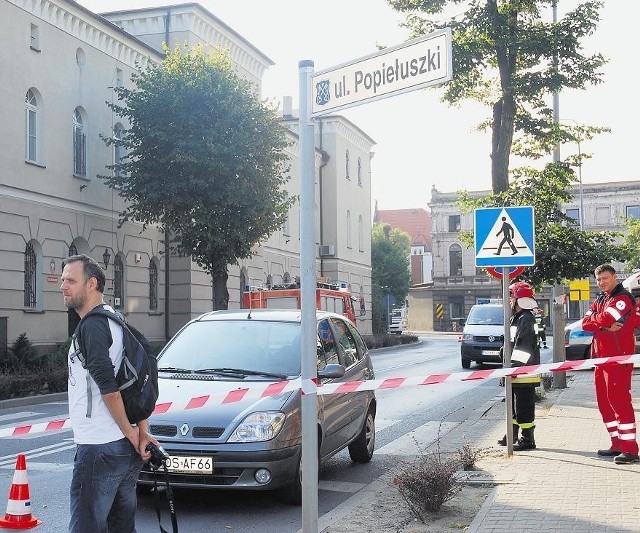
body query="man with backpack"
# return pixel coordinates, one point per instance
(110, 449)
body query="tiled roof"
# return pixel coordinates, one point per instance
(416, 222)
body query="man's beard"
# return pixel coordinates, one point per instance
(75, 303)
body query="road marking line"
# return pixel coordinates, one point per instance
(417, 441)
(341, 486)
(21, 414)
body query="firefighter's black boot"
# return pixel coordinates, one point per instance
(503, 440)
(526, 442)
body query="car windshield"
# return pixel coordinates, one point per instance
(487, 315)
(235, 348)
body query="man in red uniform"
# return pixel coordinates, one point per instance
(611, 318)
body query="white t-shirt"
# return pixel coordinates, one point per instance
(92, 423)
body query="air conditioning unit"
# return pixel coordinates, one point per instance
(327, 250)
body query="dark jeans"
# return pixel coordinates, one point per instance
(103, 488)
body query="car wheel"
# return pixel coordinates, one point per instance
(292, 494)
(361, 449)
(466, 363)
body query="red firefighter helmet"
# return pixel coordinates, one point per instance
(523, 293)
(521, 289)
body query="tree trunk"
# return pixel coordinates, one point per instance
(220, 292)
(502, 139)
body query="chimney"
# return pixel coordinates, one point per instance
(287, 107)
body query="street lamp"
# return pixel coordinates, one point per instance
(581, 219)
(106, 257)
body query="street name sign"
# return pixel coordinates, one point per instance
(504, 236)
(418, 63)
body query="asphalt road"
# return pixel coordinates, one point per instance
(407, 419)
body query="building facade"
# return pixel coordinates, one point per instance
(458, 284)
(61, 64)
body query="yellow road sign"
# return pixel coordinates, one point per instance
(579, 290)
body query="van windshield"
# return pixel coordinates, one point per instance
(485, 314)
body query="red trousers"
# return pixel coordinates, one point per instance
(613, 393)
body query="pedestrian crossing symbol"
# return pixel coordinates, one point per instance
(504, 236)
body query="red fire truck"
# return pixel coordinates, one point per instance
(334, 297)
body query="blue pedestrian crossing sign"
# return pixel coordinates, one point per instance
(504, 236)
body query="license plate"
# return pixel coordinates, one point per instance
(490, 352)
(190, 465)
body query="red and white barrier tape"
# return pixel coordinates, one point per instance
(264, 390)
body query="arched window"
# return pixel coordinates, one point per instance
(153, 285)
(31, 127)
(30, 276)
(73, 250)
(118, 283)
(347, 162)
(455, 260)
(360, 172)
(286, 278)
(269, 281)
(79, 145)
(360, 235)
(348, 229)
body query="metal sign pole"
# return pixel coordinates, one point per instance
(506, 358)
(309, 464)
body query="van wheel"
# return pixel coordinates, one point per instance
(361, 449)
(466, 363)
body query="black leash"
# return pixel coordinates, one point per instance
(169, 494)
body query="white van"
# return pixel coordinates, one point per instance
(483, 335)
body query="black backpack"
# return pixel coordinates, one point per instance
(137, 377)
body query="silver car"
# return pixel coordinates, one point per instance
(256, 444)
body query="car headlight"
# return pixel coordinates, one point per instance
(467, 337)
(258, 427)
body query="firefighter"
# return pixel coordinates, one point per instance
(612, 320)
(541, 328)
(524, 351)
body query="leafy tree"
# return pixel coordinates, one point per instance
(390, 274)
(205, 160)
(563, 251)
(632, 243)
(510, 57)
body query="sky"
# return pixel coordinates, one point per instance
(421, 142)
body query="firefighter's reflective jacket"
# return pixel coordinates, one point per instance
(524, 347)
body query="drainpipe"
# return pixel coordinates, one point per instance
(325, 160)
(167, 26)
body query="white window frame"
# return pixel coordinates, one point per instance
(79, 144)
(31, 127)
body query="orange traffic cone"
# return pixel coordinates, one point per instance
(18, 515)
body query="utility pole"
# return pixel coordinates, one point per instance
(559, 378)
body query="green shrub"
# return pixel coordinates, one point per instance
(50, 374)
(18, 385)
(56, 367)
(387, 339)
(22, 356)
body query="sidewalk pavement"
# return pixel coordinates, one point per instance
(561, 486)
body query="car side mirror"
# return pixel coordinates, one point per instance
(332, 370)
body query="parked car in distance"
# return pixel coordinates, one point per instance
(577, 342)
(483, 335)
(255, 444)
